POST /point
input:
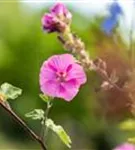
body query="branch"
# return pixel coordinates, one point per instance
(23, 124)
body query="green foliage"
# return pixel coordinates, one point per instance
(39, 114)
(9, 91)
(60, 132)
(36, 114)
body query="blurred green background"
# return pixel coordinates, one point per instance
(23, 48)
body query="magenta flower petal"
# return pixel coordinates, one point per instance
(61, 76)
(77, 73)
(46, 74)
(68, 93)
(60, 62)
(50, 88)
(60, 10)
(49, 23)
(125, 146)
(71, 89)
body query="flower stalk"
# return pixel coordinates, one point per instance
(44, 129)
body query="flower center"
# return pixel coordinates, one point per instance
(61, 76)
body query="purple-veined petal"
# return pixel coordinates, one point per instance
(68, 91)
(77, 72)
(61, 62)
(50, 88)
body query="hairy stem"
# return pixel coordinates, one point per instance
(23, 124)
(74, 45)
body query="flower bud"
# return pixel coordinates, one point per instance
(51, 24)
(57, 20)
(48, 22)
(62, 12)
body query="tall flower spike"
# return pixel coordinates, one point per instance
(57, 20)
(125, 146)
(111, 21)
(61, 77)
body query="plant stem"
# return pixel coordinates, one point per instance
(23, 124)
(44, 128)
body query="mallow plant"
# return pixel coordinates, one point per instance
(61, 76)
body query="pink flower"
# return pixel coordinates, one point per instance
(57, 20)
(125, 146)
(61, 77)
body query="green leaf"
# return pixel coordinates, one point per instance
(128, 125)
(36, 114)
(45, 98)
(60, 132)
(10, 91)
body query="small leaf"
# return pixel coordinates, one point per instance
(63, 136)
(10, 91)
(60, 132)
(128, 125)
(45, 98)
(36, 114)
